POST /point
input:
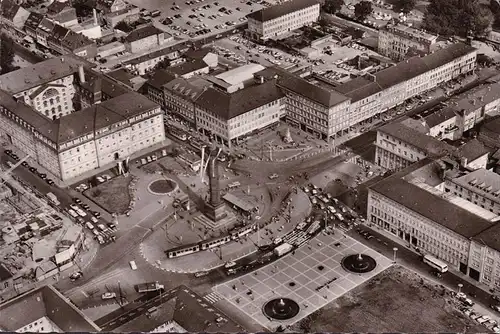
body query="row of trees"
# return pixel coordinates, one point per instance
(7, 55)
(361, 9)
(457, 17)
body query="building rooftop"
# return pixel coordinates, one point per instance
(189, 89)
(429, 205)
(360, 88)
(33, 21)
(56, 7)
(430, 145)
(74, 41)
(483, 181)
(45, 301)
(9, 9)
(58, 33)
(35, 75)
(162, 52)
(101, 115)
(240, 74)
(230, 105)
(141, 33)
(198, 53)
(273, 12)
(190, 66)
(4, 273)
(440, 116)
(404, 30)
(160, 77)
(472, 150)
(323, 96)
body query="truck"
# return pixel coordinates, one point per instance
(53, 199)
(149, 287)
(283, 249)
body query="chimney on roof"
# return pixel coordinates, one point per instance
(489, 88)
(81, 74)
(473, 102)
(481, 98)
(62, 59)
(463, 161)
(94, 12)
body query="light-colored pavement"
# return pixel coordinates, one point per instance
(316, 275)
(153, 248)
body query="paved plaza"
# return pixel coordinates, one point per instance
(298, 277)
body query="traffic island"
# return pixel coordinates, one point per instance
(162, 186)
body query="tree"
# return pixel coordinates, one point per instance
(457, 17)
(332, 6)
(124, 26)
(362, 10)
(406, 6)
(7, 55)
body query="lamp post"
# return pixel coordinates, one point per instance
(395, 249)
(460, 286)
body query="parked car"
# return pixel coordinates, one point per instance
(108, 295)
(76, 275)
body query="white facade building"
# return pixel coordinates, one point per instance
(280, 19)
(394, 41)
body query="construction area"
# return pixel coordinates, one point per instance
(36, 241)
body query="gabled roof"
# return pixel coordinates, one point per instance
(472, 150)
(230, 105)
(35, 75)
(58, 34)
(46, 25)
(273, 12)
(45, 301)
(74, 41)
(439, 117)
(56, 7)
(430, 145)
(33, 21)
(189, 66)
(141, 33)
(160, 78)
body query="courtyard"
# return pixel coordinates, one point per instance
(396, 300)
(312, 276)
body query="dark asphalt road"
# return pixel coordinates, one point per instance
(133, 310)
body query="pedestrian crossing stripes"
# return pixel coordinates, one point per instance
(213, 297)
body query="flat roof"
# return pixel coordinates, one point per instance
(273, 12)
(429, 205)
(239, 202)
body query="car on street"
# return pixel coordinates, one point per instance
(273, 176)
(495, 307)
(108, 295)
(76, 275)
(77, 200)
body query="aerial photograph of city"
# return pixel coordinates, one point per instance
(239, 166)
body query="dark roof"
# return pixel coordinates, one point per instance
(430, 145)
(9, 9)
(273, 12)
(44, 302)
(58, 33)
(46, 25)
(33, 21)
(298, 85)
(439, 117)
(160, 78)
(35, 75)
(121, 75)
(4, 273)
(141, 33)
(492, 125)
(187, 67)
(228, 105)
(195, 314)
(103, 114)
(472, 150)
(431, 206)
(56, 7)
(74, 41)
(197, 54)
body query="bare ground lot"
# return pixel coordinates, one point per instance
(397, 300)
(113, 195)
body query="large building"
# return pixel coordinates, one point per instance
(275, 21)
(43, 310)
(394, 41)
(81, 141)
(437, 218)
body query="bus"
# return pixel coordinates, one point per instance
(233, 185)
(133, 266)
(435, 263)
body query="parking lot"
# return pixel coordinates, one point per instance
(312, 277)
(188, 17)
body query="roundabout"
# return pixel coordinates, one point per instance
(281, 309)
(359, 263)
(162, 186)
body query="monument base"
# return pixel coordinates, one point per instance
(215, 213)
(228, 220)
